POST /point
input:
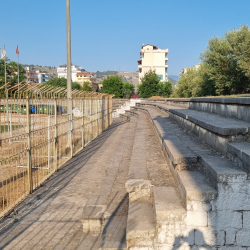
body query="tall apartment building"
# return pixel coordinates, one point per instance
(31, 75)
(153, 58)
(62, 71)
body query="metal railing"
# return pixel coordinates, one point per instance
(38, 135)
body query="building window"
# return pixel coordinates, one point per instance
(160, 77)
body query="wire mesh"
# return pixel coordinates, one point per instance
(39, 134)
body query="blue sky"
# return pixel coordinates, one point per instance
(109, 33)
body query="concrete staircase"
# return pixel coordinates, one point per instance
(208, 155)
(206, 204)
(120, 106)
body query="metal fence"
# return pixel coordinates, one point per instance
(38, 135)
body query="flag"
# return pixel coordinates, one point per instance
(3, 54)
(17, 52)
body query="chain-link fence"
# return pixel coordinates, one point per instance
(39, 135)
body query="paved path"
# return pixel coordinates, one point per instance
(50, 217)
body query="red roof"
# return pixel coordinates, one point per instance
(84, 73)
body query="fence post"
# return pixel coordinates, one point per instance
(108, 111)
(91, 123)
(103, 113)
(83, 123)
(56, 139)
(96, 115)
(29, 165)
(71, 130)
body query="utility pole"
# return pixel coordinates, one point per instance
(69, 83)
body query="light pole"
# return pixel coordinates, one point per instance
(69, 84)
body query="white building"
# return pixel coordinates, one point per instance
(43, 77)
(62, 71)
(153, 58)
(31, 75)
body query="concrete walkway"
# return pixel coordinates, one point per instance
(50, 217)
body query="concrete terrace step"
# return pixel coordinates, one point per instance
(167, 204)
(221, 170)
(241, 153)
(140, 225)
(212, 122)
(194, 186)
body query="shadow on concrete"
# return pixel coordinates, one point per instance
(10, 228)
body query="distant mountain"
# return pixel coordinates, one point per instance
(176, 78)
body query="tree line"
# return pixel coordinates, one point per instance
(224, 67)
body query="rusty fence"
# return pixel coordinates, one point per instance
(38, 135)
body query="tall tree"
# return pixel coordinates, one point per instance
(149, 85)
(113, 85)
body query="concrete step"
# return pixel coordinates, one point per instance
(140, 225)
(214, 129)
(170, 215)
(194, 186)
(240, 153)
(114, 234)
(212, 122)
(168, 206)
(221, 170)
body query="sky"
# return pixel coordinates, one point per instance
(108, 34)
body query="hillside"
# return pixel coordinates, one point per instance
(132, 77)
(51, 71)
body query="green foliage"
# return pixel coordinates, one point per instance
(86, 87)
(149, 85)
(164, 89)
(61, 82)
(11, 72)
(128, 89)
(113, 85)
(224, 70)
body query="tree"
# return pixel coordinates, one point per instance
(165, 89)
(113, 85)
(128, 89)
(227, 61)
(149, 85)
(11, 72)
(61, 82)
(86, 87)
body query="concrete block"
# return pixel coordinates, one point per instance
(207, 236)
(194, 186)
(199, 206)
(243, 238)
(246, 220)
(232, 248)
(140, 225)
(175, 235)
(225, 219)
(230, 236)
(196, 219)
(168, 206)
(139, 189)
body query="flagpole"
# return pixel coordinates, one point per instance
(5, 71)
(18, 70)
